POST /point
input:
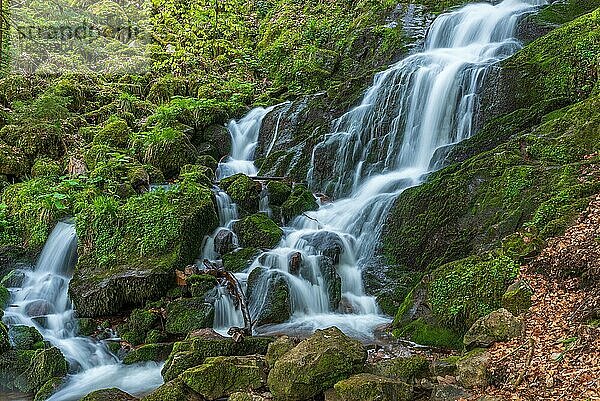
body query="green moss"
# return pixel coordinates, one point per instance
(404, 369)
(243, 191)
(149, 352)
(240, 259)
(48, 389)
(562, 12)
(174, 390)
(197, 173)
(279, 192)
(300, 201)
(116, 133)
(45, 365)
(365, 386)
(258, 231)
(44, 167)
(86, 326)
(430, 335)
(13, 161)
(139, 323)
(517, 299)
(187, 315)
(113, 394)
(201, 284)
(24, 337)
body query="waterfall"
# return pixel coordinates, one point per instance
(383, 146)
(42, 302)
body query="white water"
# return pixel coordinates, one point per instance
(383, 146)
(43, 303)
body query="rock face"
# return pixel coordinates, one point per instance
(222, 376)
(111, 394)
(472, 369)
(192, 352)
(499, 325)
(25, 337)
(517, 299)
(186, 315)
(315, 365)
(367, 387)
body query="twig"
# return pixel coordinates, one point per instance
(514, 351)
(527, 363)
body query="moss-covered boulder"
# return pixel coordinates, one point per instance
(86, 326)
(25, 337)
(137, 326)
(269, 296)
(279, 348)
(174, 390)
(220, 138)
(498, 326)
(200, 284)
(300, 201)
(224, 375)
(192, 352)
(49, 388)
(244, 192)
(315, 365)
(240, 259)
(187, 315)
(279, 192)
(148, 352)
(258, 231)
(44, 167)
(27, 371)
(111, 394)
(367, 387)
(128, 252)
(197, 173)
(403, 369)
(115, 133)
(13, 162)
(517, 299)
(472, 369)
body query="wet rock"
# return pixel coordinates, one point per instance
(86, 326)
(498, 326)
(517, 299)
(4, 338)
(137, 326)
(193, 351)
(333, 282)
(39, 308)
(225, 241)
(49, 388)
(111, 394)
(244, 192)
(404, 369)
(269, 296)
(326, 243)
(174, 390)
(258, 231)
(14, 279)
(25, 337)
(219, 137)
(240, 259)
(147, 353)
(300, 201)
(279, 348)
(44, 365)
(366, 387)
(187, 315)
(200, 285)
(448, 392)
(279, 192)
(224, 375)
(246, 397)
(315, 365)
(472, 369)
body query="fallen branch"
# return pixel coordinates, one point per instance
(527, 364)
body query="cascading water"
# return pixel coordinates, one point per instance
(383, 146)
(42, 302)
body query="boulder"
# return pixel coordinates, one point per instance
(186, 315)
(41, 366)
(149, 352)
(499, 325)
(111, 394)
(269, 296)
(517, 298)
(4, 338)
(333, 282)
(315, 365)
(279, 348)
(240, 259)
(224, 375)
(174, 390)
(13, 279)
(25, 337)
(300, 201)
(405, 369)
(367, 387)
(246, 397)
(326, 243)
(279, 192)
(201, 284)
(258, 231)
(49, 388)
(220, 138)
(194, 350)
(448, 392)
(225, 241)
(472, 369)
(137, 326)
(244, 192)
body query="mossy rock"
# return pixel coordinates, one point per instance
(279, 192)
(45, 364)
(243, 191)
(315, 365)
(4, 338)
(13, 162)
(300, 201)
(174, 390)
(49, 388)
(498, 326)
(472, 369)
(517, 299)
(137, 326)
(86, 326)
(220, 138)
(240, 259)
(403, 369)
(274, 306)
(44, 167)
(207, 161)
(194, 351)
(368, 387)
(148, 352)
(430, 334)
(111, 394)
(197, 173)
(24, 337)
(279, 348)
(224, 375)
(200, 284)
(187, 315)
(258, 231)
(116, 133)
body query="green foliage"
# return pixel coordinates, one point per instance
(430, 335)
(461, 292)
(44, 167)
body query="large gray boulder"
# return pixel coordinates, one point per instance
(498, 326)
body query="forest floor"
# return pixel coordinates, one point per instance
(558, 356)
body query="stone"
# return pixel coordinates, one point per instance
(111, 394)
(48, 389)
(174, 390)
(4, 338)
(194, 350)
(225, 241)
(25, 337)
(45, 365)
(149, 352)
(315, 365)
(448, 392)
(258, 231)
(224, 375)
(279, 348)
(498, 326)
(326, 243)
(403, 368)
(367, 387)
(517, 299)
(269, 296)
(333, 282)
(220, 138)
(39, 307)
(13, 279)
(246, 397)
(186, 315)
(472, 369)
